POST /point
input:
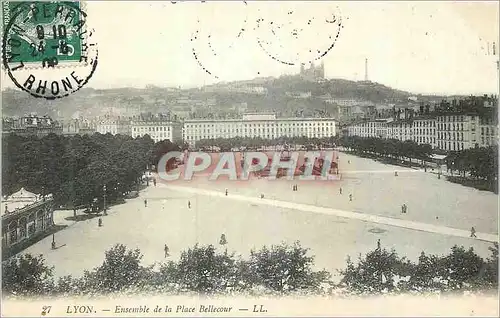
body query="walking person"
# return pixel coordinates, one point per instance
(403, 208)
(99, 222)
(154, 182)
(350, 197)
(166, 250)
(145, 203)
(262, 195)
(395, 173)
(340, 190)
(226, 192)
(189, 204)
(473, 232)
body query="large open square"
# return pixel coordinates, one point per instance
(248, 224)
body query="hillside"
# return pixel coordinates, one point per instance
(126, 101)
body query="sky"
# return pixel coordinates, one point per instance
(421, 47)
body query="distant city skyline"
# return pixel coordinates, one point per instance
(420, 47)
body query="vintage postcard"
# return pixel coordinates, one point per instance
(249, 158)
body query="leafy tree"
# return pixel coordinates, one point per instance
(285, 268)
(203, 269)
(121, 269)
(378, 271)
(26, 275)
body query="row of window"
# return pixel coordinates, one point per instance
(451, 145)
(425, 123)
(151, 129)
(268, 136)
(455, 118)
(259, 130)
(487, 129)
(260, 125)
(451, 136)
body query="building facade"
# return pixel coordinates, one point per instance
(257, 125)
(78, 127)
(114, 126)
(424, 130)
(25, 215)
(377, 128)
(445, 131)
(157, 127)
(31, 125)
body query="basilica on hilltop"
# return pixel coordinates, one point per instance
(313, 73)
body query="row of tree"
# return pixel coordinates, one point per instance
(76, 169)
(279, 269)
(479, 163)
(226, 144)
(389, 148)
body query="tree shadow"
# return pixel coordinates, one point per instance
(82, 217)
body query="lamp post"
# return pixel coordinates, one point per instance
(104, 195)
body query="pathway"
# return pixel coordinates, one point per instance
(419, 226)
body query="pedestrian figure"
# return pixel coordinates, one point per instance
(340, 190)
(226, 192)
(262, 196)
(296, 187)
(154, 181)
(395, 173)
(473, 232)
(378, 244)
(439, 175)
(99, 222)
(350, 197)
(403, 208)
(166, 250)
(223, 240)
(146, 203)
(349, 161)
(189, 204)
(53, 245)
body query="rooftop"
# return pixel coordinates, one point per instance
(20, 200)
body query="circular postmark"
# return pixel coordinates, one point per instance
(48, 50)
(213, 47)
(300, 35)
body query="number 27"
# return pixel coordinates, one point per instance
(46, 310)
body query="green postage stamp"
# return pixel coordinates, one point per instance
(47, 35)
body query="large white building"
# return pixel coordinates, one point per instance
(424, 130)
(114, 126)
(159, 128)
(450, 132)
(463, 131)
(257, 125)
(369, 128)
